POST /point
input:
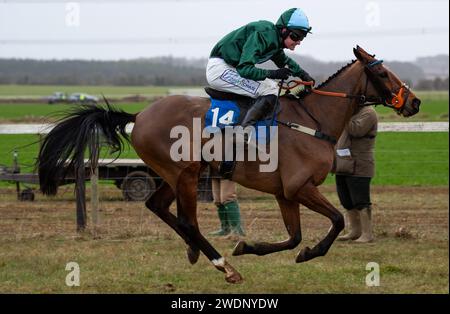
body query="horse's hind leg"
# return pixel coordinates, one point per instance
(314, 200)
(192, 251)
(159, 204)
(291, 218)
(187, 220)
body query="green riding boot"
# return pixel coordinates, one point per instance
(224, 224)
(234, 217)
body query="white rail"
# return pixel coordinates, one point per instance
(382, 127)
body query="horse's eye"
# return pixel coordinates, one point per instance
(383, 75)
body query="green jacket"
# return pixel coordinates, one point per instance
(252, 44)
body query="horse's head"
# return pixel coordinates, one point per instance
(390, 90)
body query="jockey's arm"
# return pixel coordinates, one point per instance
(251, 55)
(281, 60)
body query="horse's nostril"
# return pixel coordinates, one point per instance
(416, 103)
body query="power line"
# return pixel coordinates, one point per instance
(180, 1)
(387, 32)
(114, 1)
(206, 39)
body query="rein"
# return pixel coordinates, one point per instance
(320, 92)
(363, 100)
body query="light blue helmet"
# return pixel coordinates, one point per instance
(294, 19)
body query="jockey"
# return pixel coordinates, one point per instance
(231, 66)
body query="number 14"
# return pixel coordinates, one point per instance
(225, 119)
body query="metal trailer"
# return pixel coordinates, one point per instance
(132, 176)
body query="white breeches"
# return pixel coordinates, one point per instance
(223, 77)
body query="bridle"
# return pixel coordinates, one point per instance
(389, 99)
(385, 96)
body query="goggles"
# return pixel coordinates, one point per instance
(297, 36)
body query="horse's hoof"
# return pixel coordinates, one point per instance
(193, 255)
(239, 248)
(234, 277)
(304, 255)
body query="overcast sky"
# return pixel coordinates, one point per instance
(114, 29)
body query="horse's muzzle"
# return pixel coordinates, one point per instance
(415, 105)
(411, 107)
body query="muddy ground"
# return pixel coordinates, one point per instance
(397, 211)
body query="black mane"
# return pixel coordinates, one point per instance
(305, 92)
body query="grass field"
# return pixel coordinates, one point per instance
(38, 91)
(45, 90)
(134, 252)
(401, 158)
(434, 105)
(43, 113)
(411, 159)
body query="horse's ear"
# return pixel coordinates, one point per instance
(358, 53)
(362, 55)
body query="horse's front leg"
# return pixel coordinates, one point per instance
(314, 200)
(291, 218)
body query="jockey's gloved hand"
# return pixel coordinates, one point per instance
(307, 78)
(280, 74)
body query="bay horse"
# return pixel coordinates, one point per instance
(304, 161)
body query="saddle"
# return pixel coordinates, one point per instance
(217, 94)
(244, 103)
(230, 109)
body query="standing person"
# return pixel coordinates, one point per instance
(354, 168)
(231, 66)
(224, 194)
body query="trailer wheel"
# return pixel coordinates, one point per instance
(138, 186)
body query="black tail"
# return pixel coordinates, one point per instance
(63, 148)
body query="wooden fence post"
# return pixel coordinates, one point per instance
(94, 151)
(80, 192)
(94, 198)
